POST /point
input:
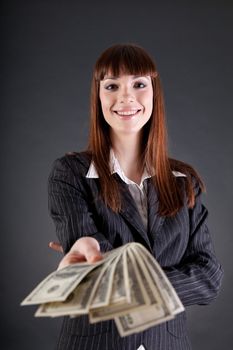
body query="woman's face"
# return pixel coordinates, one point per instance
(127, 102)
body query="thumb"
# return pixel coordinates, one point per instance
(89, 247)
(93, 255)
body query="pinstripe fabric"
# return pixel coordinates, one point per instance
(182, 245)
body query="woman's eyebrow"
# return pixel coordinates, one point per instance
(114, 78)
(134, 77)
(141, 76)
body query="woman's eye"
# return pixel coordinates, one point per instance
(110, 87)
(140, 85)
(137, 85)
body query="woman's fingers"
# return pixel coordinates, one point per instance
(89, 248)
(71, 258)
(93, 255)
(56, 246)
(84, 249)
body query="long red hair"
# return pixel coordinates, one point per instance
(134, 60)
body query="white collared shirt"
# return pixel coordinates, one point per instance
(138, 192)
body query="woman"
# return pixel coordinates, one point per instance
(125, 188)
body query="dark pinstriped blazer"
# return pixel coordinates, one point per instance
(181, 244)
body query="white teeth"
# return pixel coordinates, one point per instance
(127, 113)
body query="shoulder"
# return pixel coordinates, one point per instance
(191, 177)
(72, 162)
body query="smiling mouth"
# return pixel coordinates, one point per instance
(127, 113)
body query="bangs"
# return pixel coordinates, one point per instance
(124, 59)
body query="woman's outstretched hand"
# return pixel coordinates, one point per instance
(84, 249)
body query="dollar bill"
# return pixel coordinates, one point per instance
(127, 285)
(78, 301)
(103, 292)
(160, 279)
(139, 320)
(59, 284)
(154, 292)
(118, 306)
(157, 312)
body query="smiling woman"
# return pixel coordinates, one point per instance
(126, 99)
(125, 188)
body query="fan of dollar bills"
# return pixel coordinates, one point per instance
(128, 286)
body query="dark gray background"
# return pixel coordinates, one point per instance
(48, 51)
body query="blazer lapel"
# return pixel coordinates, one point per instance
(155, 221)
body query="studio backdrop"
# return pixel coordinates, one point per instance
(48, 50)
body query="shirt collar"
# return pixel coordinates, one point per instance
(116, 168)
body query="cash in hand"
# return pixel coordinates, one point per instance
(127, 285)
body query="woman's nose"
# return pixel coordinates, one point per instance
(126, 95)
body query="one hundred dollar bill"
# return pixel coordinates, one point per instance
(59, 284)
(127, 285)
(167, 291)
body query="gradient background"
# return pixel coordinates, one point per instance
(48, 52)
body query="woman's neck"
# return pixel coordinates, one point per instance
(127, 149)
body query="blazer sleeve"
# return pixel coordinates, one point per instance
(197, 279)
(69, 208)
